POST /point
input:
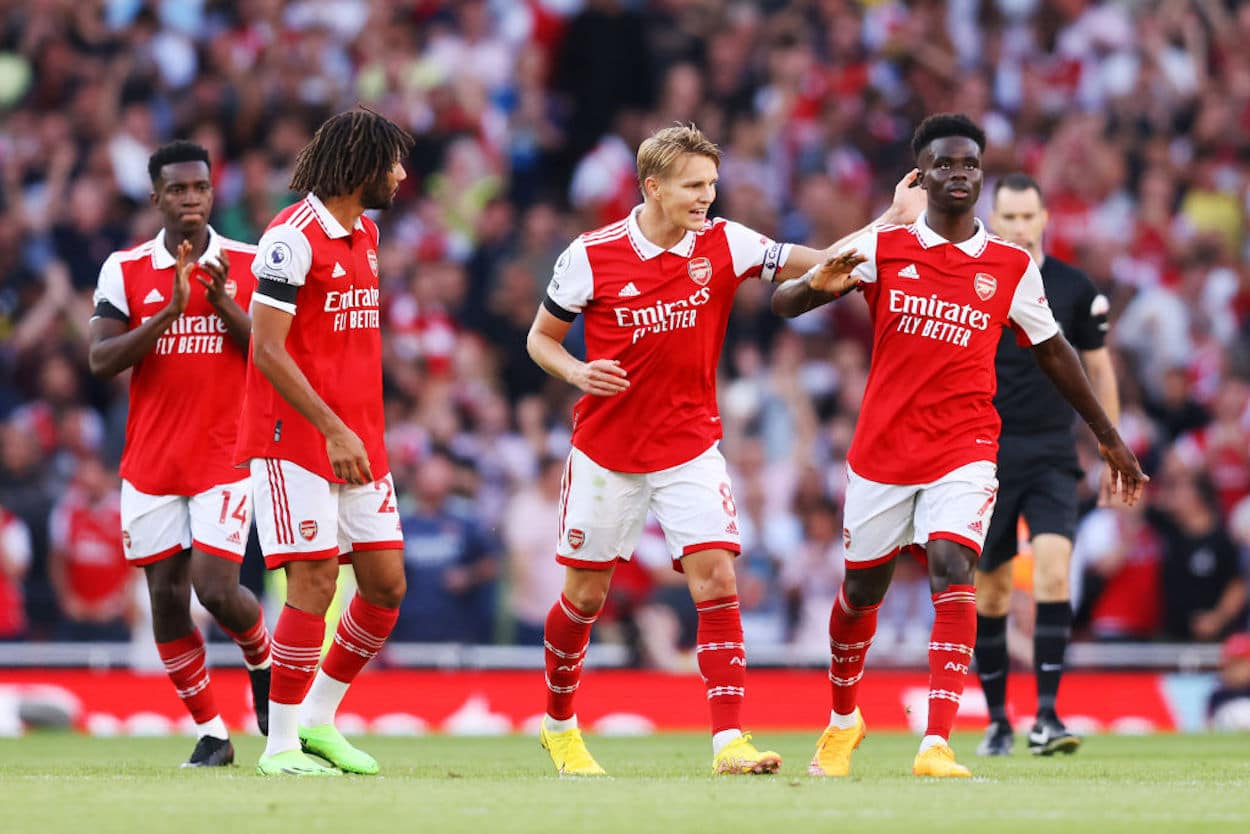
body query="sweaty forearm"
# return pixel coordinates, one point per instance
(110, 356)
(238, 323)
(289, 381)
(552, 356)
(796, 296)
(1059, 362)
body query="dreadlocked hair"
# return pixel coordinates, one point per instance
(347, 151)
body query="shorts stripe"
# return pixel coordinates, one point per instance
(286, 501)
(217, 551)
(277, 560)
(971, 544)
(277, 494)
(363, 547)
(156, 557)
(565, 484)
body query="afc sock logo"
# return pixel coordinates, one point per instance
(952, 666)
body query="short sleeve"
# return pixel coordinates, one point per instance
(1030, 313)
(111, 286)
(1091, 318)
(15, 542)
(865, 244)
(755, 255)
(572, 283)
(283, 255)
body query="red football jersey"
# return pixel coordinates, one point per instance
(662, 315)
(86, 532)
(335, 337)
(937, 308)
(184, 395)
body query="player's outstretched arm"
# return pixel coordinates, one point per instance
(114, 348)
(545, 343)
(237, 323)
(826, 282)
(346, 452)
(1059, 361)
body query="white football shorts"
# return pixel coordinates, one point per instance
(216, 521)
(301, 516)
(602, 511)
(881, 519)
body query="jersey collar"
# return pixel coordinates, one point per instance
(972, 247)
(647, 250)
(333, 228)
(161, 259)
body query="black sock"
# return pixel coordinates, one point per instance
(1050, 641)
(991, 655)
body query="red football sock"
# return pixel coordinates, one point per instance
(362, 630)
(950, 651)
(851, 631)
(254, 642)
(184, 663)
(297, 642)
(722, 660)
(566, 635)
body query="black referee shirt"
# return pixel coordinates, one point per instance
(1027, 400)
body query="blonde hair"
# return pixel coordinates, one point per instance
(661, 150)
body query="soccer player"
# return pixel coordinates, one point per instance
(921, 465)
(656, 289)
(312, 434)
(1038, 475)
(185, 509)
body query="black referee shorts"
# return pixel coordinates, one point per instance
(1037, 480)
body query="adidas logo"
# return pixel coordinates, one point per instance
(628, 291)
(338, 271)
(908, 271)
(976, 527)
(154, 297)
(732, 528)
(233, 538)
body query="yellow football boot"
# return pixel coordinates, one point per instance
(740, 756)
(833, 751)
(569, 754)
(939, 761)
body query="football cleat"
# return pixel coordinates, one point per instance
(568, 753)
(260, 697)
(327, 742)
(938, 761)
(211, 751)
(833, 751)
(998, 740)
(740, 756)
(293, 763)
(1049, 737)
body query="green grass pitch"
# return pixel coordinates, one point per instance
(66, 783)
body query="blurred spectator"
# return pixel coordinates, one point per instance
(87, 563)
(14, 562)
(811, 576)
(531, 526)
(1204, 594)
(1228, 707)
(450, 562)
(1116, 559)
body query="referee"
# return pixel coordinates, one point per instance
(1037, 475)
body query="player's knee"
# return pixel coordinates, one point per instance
(860, 592)
(951, 566)
(214, 593)
(717, 581)
(992, 601)
(587, 598)
(387, 594)
(169, 600)
(1051, 586)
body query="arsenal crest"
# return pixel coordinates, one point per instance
(373, 261)
(985, 285)
(700, 270)
(577, 538)
(230, 288)
(308, 529)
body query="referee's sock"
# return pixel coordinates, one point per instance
(991, 657)
(1050, 641)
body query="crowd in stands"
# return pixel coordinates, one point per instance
(1133, 116)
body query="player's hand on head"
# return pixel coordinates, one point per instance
(909, 200)
(348, 458)
(835, 274)
(601, 378)
(1126, 477)
(183, 266)
(215, 285)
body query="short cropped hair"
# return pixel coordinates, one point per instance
(941, 125)
(1019, 181)
(661, 150)
(174, 152)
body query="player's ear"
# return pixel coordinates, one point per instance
(155, 197)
